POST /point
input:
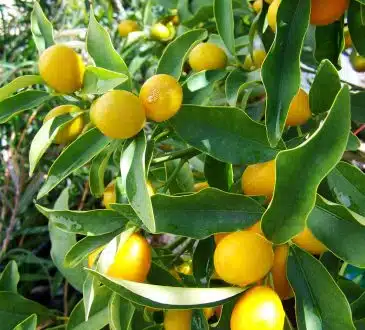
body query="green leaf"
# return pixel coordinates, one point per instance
(159, 275)
(224, 19)
(91, 223)
(45, 136)
(132, 167)
(9, 278)
(353, 143)
(30, 323)
(347, 184)
(174, 55)
(357, 107)
(355, 15)
(101, 49)
(121, 313)
(98, 314)
(88, 293)
(351, 290)
(157, 296)
(225, 319)
(20, 102)
(203, 14)
(281, 71)
(218, 174)
(357, 308)
(319, 101)
(225, 133)
(74, 157)
(329, 221)
(41, 27)
(100, 80)
(198, 320)
(332, 263)
(183, 181)
(14, 309)
(203, 265)
(18, 83)
(319, 302)
(295, 192)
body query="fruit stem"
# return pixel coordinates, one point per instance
(186, 153)
(173, 175)
(299, 131)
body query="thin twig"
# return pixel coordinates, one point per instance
(359, 130)
(186, 153)
(173, 175)
(84, 195)
(65, 299)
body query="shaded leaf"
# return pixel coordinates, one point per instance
(30, 323)
(203, 265)
(218, 174)
(356, 25)
(121, 313)
(18, 83)
(41, 27)
(9, 278)
(223, 12)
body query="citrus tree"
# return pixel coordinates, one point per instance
(220, 145)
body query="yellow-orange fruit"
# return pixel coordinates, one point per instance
(272, 14)
(308, 242)
(177, 320)
(324, 12)
(200, 186)
(207, 56)
(299, 110)
(127, 26)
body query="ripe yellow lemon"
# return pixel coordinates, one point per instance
(61, 68)
(357, 61)
(272, 14)
(259, 308)
(259, 56)
(127, 26)
(163, 32)
(132, 261)
(200, 186)
(299, 110)
(118, 114)
(109, 196)
(243, 258)
(177, 320)
(259, 179)
(278, 271)
(324, 12)
(161, 96)
(256, 228)
(308, 242)
(71, 130)
(207, 56)
(257, 6)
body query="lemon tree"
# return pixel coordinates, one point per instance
(221, 146)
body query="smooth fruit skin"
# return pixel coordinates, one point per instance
(299, 111)
(243, 258)
(308, 242)
(61, 68)
(177, 320)
(72, 130)
(259, 308)
(132, 261)
(163, 32)
(272, 14)
(324, 12)
(207, 56)
(127, 26)
(256, 228)
(259, 179)
(278, 271)
(109, 196)
(118, 114)
(259, 56)
(357, 61)
(161, 96)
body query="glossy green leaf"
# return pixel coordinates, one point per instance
(347, 184)
(98, 314)
(100, 80)
(14, 309)
(159, 275)
(198, 320)
(132, 167)
(357, 307)
(353, 143)
(218, 174)
(121, 313)
(30, 323)
(357, 107)
(319, 302)
(203, 265)
(174, 55)
(18, 83)
(319, 101)
(88, 293)
(9, 278)
(281, 71)
(91, 223)
(101, 49)
(73, 157)
(295, 191)
(329, 221)
(332, 263)
(167, 296)
(356, 25)
(184, 180)
(225, 133)
(41, 27)
(203, 14)
(45, 136)
(20, 102)
(223, 12)
(351, 290)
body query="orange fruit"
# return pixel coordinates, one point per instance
(127, 26)
(299, 110)
(272, 14)
(308, 242)
(324, 12)
(207, 56)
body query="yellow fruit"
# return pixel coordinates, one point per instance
(93, 256)
(259, 56)
(207, 56)
(150, 189)
(299, 110)
(177, 320)
(269, 1)
(200, 186)
(160, 31)
(118, 114)
(259, 308)
(71, 131)
(132, 261)
(175, 20)
(127, 26)
(278, 271)
(357, 61)
(257, 6)
(185, 268)
(308, 242)
(347, 37)
(208, 312)
(161, 96)
(256, 228)
(259, 179)
(243, 258)
(61, 68)
(109, 196)
(272, 14)
(324, 12)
